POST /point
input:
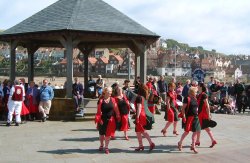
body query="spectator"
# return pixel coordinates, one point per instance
(162, 90)
(215, 89)
(239, 88)
(99, 85)
(136, 84)
(179, 90)
(228, 105)
(31, 101)
(214, 104)
(243, 103)
(248, 95)
(46, 96)
(92, 87)
(186, 88)
(77, 91)
(16, 98)
(231, 90)
(211, 82)
(223, 90)
(6, 91)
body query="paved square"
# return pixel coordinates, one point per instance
(78, 142)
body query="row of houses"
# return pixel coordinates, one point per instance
(169, 62)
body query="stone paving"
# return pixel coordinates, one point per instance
(60, 141)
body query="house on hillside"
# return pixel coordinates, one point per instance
(101, 65)
(237, 73)
(115, 62)
(77, 66)
(98, 53)
(219, 74)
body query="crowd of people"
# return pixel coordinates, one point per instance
(193, 103)
(21, 101)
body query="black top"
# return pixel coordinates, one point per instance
(248, 91)
(122, 105)
(214, 88)
(239, 88)
(203, 97)
(107, 109)
(193, 106)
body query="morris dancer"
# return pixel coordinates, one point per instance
(105, 118)
(141, 120)
(204, 114)
(171, 113)
(123, 106)
(190, 118)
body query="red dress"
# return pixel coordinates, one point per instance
(105, 114)
(172, 114)
(24, 110)
(33, 108)
(202, 108)
(139, 127)
(123, 106)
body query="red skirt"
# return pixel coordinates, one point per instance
(24, 110)
(151, 107)
(124, 123)
(192, 124)
(33, 108)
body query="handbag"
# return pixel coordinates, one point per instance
(208, 123)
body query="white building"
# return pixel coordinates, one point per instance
(178, 72)
(220, 74)
(237, 73)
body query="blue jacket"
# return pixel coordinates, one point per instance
(46, 93)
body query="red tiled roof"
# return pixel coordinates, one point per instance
(75, 61)
(105, 60)
(92, 60)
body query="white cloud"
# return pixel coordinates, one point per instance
(214, 24)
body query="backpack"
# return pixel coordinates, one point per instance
(18, 94)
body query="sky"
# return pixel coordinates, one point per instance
(222, 25)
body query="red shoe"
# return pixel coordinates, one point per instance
(152, 146)
(139, 148)
(112, 137)
(164, 132)
(126, 138)
(179, 146)
(213, 144)
(106, 150)
(175, 133)
(197, 144)
(100, 148)
(193, 149)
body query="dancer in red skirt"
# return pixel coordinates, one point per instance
(141, 120)
(190, 118)
(123, 106)
(105, 118)
(204, 114)
(171, 113)
(31, 101)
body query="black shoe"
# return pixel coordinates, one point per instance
(8, 124)
(17, 124)
(43, 119)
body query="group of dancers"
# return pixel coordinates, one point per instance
(113, 109)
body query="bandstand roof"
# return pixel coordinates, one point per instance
(80, 16)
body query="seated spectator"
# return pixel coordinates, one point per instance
(226, 106)
(214, 104)
(92, 87)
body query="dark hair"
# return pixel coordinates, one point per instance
(143, 90)
(203, 87)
